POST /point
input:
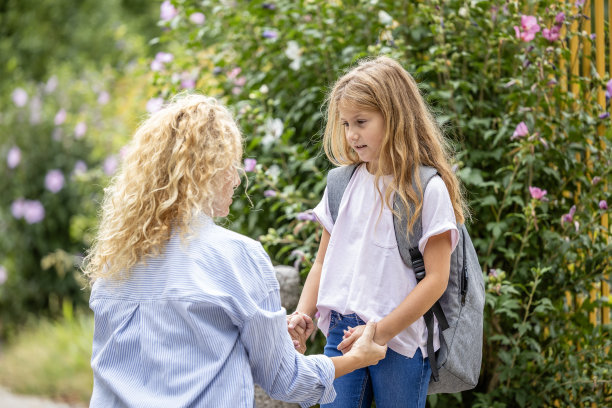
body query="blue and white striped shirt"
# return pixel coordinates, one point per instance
(197, 327)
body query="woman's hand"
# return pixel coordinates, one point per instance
(363, 345)
(300, 326)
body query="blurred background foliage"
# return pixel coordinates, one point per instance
(535, 158)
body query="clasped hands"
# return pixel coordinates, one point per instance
(301, 326)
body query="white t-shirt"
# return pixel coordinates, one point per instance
(363, 272)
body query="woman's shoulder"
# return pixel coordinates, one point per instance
(225, 240)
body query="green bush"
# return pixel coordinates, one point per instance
(64, 116)
(51, 359)
(517, 132)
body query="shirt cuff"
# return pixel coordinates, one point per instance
(327, 372)
(439, 229)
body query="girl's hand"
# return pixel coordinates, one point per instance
(350, 336)
(300, 326)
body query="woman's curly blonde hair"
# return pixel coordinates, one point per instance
(179, 158)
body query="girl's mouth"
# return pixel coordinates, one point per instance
(360, 147)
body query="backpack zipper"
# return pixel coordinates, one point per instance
(464, 275)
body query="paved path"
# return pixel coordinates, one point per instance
(9, 400)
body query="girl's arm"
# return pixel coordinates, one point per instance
(437, 266)
(308, 298)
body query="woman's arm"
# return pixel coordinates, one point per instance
(437, 264)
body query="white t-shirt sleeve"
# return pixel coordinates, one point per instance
(438, 215)
(321, 211)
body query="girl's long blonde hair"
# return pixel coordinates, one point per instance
(177, 161)
(412, 136)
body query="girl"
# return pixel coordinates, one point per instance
(378, 120)
(188, 313)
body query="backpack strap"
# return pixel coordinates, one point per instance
(412, 257)
(337, 180)
(401, 224)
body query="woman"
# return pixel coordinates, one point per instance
(188, 313)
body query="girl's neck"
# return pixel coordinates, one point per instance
(372, 167)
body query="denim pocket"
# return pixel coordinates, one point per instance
(334, 319)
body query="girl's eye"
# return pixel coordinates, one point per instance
(345, 124)
(361, 121)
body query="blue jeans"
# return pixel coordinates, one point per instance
(395, 382)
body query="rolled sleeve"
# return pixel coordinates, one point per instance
(280, 370)
(438, 215)
(321, 211)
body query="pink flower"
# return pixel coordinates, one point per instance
(80, 167)
(156, 66)
(20, 97)
(537, 193)
(18, 208)
(569, 217)
(13, 158)
(79, 130)
(553, 34)
(197, 18)
(51, 84)
(270, 193)
(103, 98)
(520, 131)
(234, 73)
(124, 151)
(595, 180)
(164, 57)
(559, 18)
(34, 212)
(579, 3)
(188, 83)
(240, 81)
(110, 165)
(603, 205)
(249, 165)
(529, 28)
(3, 274)
(167, 11)
(236, 90)
(154, 104)
(271, 34)
(54, 181)
(60, 117)
(160, 61)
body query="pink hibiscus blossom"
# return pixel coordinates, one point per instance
(553, 34)
(249, 165)
(167, 11)
(528, 29)
(569, 217)
(537, 193)
(520, 131)
(54, 181)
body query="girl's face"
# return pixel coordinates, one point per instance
(223, 199)
(364, 131)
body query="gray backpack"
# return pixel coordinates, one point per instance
(456, 365)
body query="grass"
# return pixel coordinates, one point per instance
(51, 359)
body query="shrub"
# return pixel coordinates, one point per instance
(528, 150)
